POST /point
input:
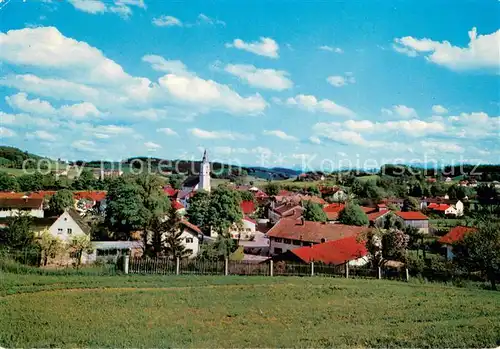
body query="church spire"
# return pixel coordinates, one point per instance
(205, 157)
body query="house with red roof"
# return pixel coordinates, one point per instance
(455, 235)
(414, 219)
(289, 234)
(247, 207)
(12, 206)
(287, 209)
(245, 230)
(332, 211)
(337, 252)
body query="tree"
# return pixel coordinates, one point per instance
(438, 189)
(480, 251)
(135, 203)
(272, 189)
(352, 214)
(8, 182)
(313, 190)
(61, 201)
(198, 210)
(30, 182)
(50, 246)
(386, 244)
(410, 204)
(18, 234)
(175, 181)
(246, 196)
(224, 209)
(85, 181)
(172, 243)
(221, 248)
(314, 212)
(78, 246)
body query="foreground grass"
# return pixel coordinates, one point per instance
(149, 311)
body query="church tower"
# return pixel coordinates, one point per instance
(204, 183)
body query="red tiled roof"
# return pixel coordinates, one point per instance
(456, 234)
(177, 205)
(298, 229)
(332, 211)
(91, 194)
(412, 215)
(260, 194)
(169, 191)
(247, 207)
(376, 215)
(250, 220)
(332, 252)
(282, 209)
(368, 209)
(191, 226)
(284, 192)
(20, 203)
(441, 207)
(41, 194)
(312, 198)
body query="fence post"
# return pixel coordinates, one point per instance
(177, 266)
(407, 274)
(312, 268)
(379, 273)
(347, 270)
(271, 267)
(226, 266)
(126, 261)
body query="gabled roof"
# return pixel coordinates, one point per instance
(368, 209)
(247, 207)
(332, 252)
(376, 215)
(412, 215)
(456, 234)
(316, 232)
(177, 205)
(191, 182)
(441, 207)
(191, 226)
(92, 195)
(169, 191)
(20, 203)
(332, 211)
(79, 221)
(248, 219)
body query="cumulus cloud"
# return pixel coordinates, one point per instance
(84, 145)
(312, 104)
(204, 134)
(439, 109)
(263, 78)
(42, 135)
(331, 49)
(6, 132)
(314, 140)
(482, 52)
(400, 110)
(167, 21)
(204, 19)
(119, 7)
(167, 131)
(339, 81)
(151, 146)
(168, 66)
(441, 147)
(266, 47)
(229, 150)
(280, 134)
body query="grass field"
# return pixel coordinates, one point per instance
(149, 311)
(368, 178)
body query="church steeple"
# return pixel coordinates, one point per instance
(204, 183)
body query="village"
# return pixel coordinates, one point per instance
(329, 225)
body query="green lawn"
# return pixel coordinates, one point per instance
(151, 311)
(368, 178)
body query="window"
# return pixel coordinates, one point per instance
(287, 241)
(189, 240)
(296, 242)
(59, 230)
(278, 239)
(70, 231)
(277, 250)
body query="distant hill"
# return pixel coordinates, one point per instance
(11, 157)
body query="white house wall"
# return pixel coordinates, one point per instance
(65, 222)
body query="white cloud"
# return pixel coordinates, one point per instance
(401, 110)
(208, 93)
(280, 134)
(263, 78)
(482, 52)
(42, 135)
(152, 146)
(315, 140)
(475, 125)
(339, 81)
(80, 110)
(439, 109)
(101, 136)
(167, 131)
(264, 47)
(204, 134)
(228, 150)
(310, 103)
(441, 147)
(89, 6)
(331, 49)
(204, 19)
(5, 132)
(167, 21)
(413, 127)
(119, 7)
(168, 66)
(21, 102)
(83, 145)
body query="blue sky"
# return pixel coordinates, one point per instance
(284, 83)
